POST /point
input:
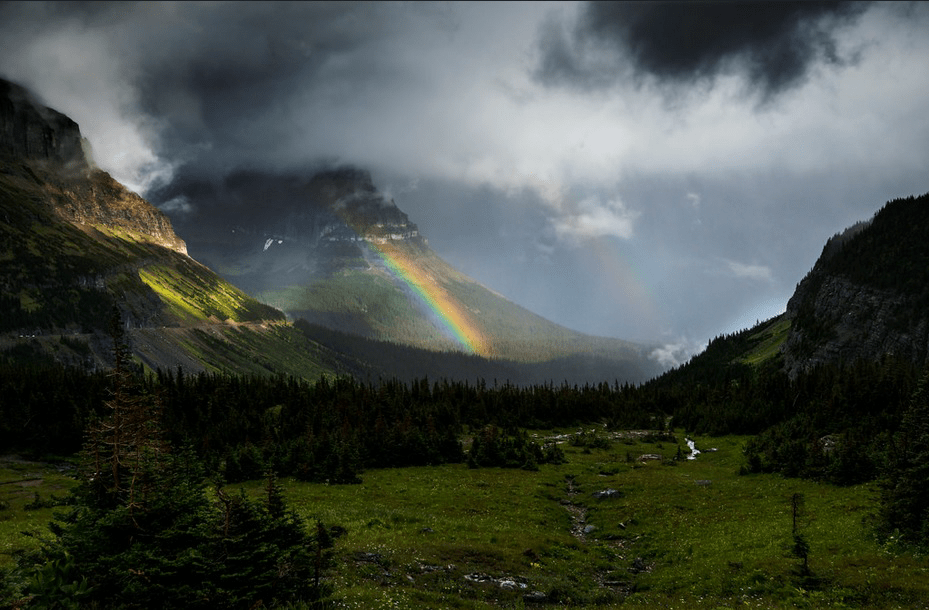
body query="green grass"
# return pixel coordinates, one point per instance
(22, 524)
(688, 534)
(669, 541)
(193, 293)
(768, 341)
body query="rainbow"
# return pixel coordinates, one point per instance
(624, 280)
(456, 322)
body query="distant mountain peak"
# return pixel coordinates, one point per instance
(331, 248)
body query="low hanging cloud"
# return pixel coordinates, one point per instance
(675, 354)
(772, 45)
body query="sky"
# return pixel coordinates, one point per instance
(661, 172)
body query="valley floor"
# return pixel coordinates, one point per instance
(609, 528)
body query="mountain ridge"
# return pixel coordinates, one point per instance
(865, 298)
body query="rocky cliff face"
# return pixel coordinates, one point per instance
(97, 200)
(350, 196)
(75, 245)
(866, 296)
(31, 131)
(43, 150)
(852, 322)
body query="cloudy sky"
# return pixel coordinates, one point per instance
(647, 171)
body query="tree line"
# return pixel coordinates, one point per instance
(331, 429)
(840, 423)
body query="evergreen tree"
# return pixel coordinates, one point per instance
(904, 504)
(143, 533)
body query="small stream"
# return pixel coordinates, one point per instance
(694, 452)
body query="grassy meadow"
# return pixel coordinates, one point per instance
(666, 533)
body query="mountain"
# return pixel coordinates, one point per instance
(834, 389)
(331, 249)
(865, 299)
(75, 244)
(328, 248)
(868, 294)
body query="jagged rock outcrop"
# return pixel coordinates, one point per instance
(100, 201)
(350, 194)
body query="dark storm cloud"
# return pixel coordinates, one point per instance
(774, 45)
(236, 77)
(220, 84)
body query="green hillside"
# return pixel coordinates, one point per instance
(61, 276)
(62, 281)
(374, 303)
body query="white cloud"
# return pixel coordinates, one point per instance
(77, 70)
(760, 273)
(671, 355)
(591, 218)
(449, 98)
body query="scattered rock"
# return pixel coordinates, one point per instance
(504, 582)
(608, 493)
(511, 585)
(589, 528)
(703, 482)
(535, 597)
(477, 577)
(650, 456)
(368, 557)
(827, 443)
